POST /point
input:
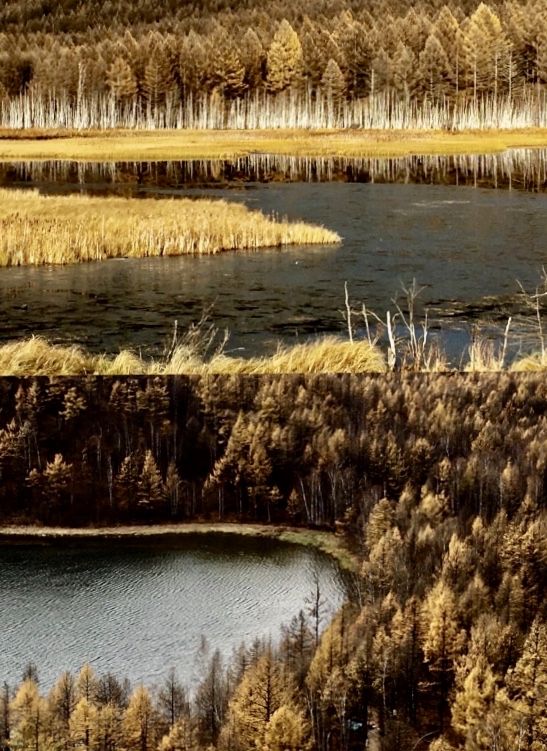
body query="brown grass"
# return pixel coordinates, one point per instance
(36, 356)
(120, 145)
(531, 363)
(37, 229)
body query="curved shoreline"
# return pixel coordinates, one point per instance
(328, 543)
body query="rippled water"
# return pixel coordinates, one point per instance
(468, 244)
(137, 610)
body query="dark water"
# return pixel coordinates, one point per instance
(468, 245)
(139, 610)
(519, 169)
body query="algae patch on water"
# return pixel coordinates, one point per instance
(37, 229)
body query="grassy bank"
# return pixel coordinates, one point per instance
(327, 542)
(36, 356)
(37, 229)
(120, 145)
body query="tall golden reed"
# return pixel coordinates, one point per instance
(37, 229)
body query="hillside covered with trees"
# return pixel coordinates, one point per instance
(246, 64)
(438, 484)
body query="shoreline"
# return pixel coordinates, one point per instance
(165, 145)
(329, 543)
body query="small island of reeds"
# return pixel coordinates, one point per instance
(40, 229)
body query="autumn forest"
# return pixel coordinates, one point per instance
(375, 63)
(437, 485)
(414, 136)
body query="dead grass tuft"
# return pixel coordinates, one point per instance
(36, 356)
(531, 363)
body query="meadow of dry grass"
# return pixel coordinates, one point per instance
(37, 229)
(130, 145)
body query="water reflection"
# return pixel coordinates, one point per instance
(522, 169)
(468, 244)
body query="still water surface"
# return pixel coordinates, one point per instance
(136, 610)
(468, 244)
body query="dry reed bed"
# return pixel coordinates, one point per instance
(37, 229)
(36, 356)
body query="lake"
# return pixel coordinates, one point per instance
(457, 225)
(137, 609)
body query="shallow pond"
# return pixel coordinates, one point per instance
(138, 609)
(430, 219)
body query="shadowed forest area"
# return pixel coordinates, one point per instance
(370, 63)
(438, 485)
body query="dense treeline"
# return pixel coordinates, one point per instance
(312, 450)
(439, 484)
(375, 63)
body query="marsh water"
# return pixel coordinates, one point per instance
(138, 609)
(467, 228)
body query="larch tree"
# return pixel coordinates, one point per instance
(158, 82)
(356, 55)
(404, 70)
(253, 57)
(434, 68)
(287, 730)
(139, 722)
(172, 699)
(121, 80)
(28, 718)
(61, 702)
(211, 699)
(183, 736)
(110, 727)
(262, 691)
(84, 726)
(57, 482)
(5, 718)
(194, 65)
(474, 696)
(527, 687)
(486, 52)
(284, 60)
(86, 683)
(333, 83)
(150, 489)
(442, 642)
(228, 68)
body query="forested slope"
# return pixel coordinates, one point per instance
(438, 484)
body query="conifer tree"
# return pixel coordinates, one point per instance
(28, 718)
(284, 60)
(138, 721)
(333, 83)
(121, 80)
(262, 691)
